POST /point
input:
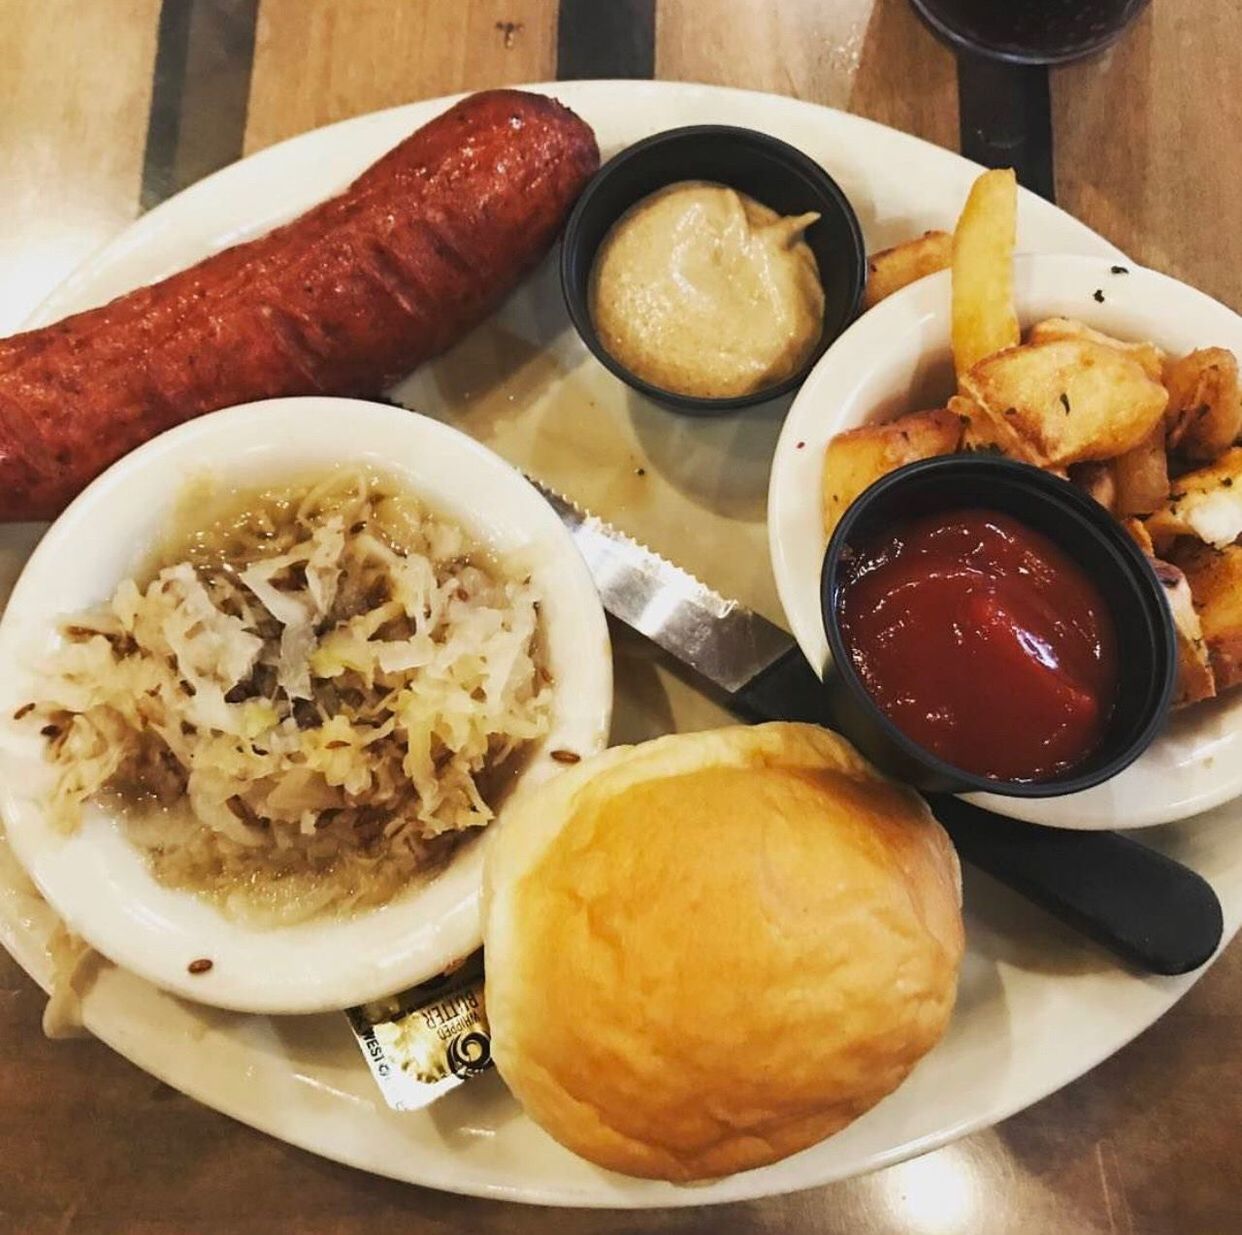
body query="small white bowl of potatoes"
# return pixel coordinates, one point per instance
(1120, 378)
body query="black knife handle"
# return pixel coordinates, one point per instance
(1153, 912)
(788, 689)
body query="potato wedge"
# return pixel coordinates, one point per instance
(1215, 579)
(857, 459)
(1205, 403)
(987, 433)
(1053, 329)
(979, 434)
(890, 270)
(1142, 475)
(1205, 504)
(1096, 480)
(1070, 401)
(984, 318)
(1195, 677)
(1140, 535)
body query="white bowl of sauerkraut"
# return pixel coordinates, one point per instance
(267, 686)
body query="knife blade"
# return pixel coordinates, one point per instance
(719, 639)
(1155, 913)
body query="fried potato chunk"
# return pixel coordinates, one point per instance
(1205, 404)
(983, 433)
(1142, 475)
(890, 270)
(984, 318)
(1097, 481)
(979, 434)
(1205, 504)
(1140, 535)
(1053, 329)
(1195, 677)
(1215, 578)
(1069, 401)
(857, 459)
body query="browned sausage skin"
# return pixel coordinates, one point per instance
(344, 300)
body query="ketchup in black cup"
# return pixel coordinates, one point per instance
(982, 640)
(993, 629)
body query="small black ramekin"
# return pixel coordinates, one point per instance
(772, 172)
(1146, 641)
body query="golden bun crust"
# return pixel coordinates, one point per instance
(710, 951)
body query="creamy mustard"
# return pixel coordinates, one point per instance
(703, 291)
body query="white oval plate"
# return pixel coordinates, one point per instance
(896, 357)
(99, 883)
(1038, 1006)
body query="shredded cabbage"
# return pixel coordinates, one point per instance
(306, 705)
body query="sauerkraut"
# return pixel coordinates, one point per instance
(306, 703)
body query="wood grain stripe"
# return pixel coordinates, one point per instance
(317, 61)
(610, 40)
(198, 101)
(1147, 141)
(75, 84)
(1006, 119)
(872, 57)
(167, 91)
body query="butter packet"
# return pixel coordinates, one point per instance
(427, 1040)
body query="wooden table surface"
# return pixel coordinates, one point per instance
(108, 106)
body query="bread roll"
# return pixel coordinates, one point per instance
(712, 950)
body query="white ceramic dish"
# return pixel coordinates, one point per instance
(1038, 1005)
(896, 358)
(99, 883)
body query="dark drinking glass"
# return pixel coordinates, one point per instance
(1029, 31)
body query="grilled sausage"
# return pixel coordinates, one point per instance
(346, 299)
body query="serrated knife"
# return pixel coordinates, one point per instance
(1155, 913)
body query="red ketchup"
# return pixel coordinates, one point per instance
(982, 641)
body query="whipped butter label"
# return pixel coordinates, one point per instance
(427, 1040)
